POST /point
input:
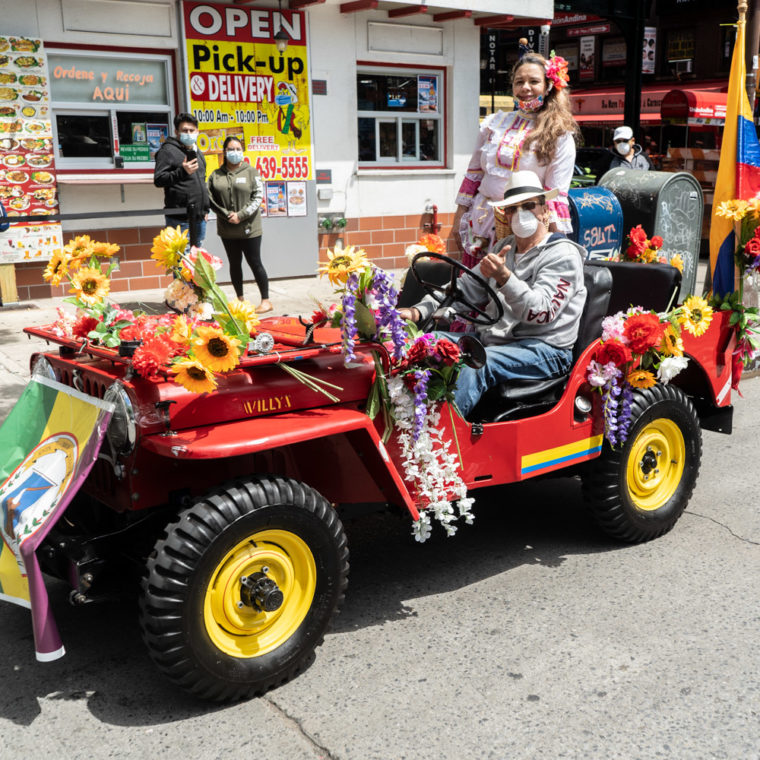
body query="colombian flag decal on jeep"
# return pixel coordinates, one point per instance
(561, 455)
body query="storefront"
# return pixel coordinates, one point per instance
(352, 126)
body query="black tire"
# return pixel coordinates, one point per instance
(635, 493)
(197, 629)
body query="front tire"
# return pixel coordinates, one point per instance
(638, 492)
(242, 588)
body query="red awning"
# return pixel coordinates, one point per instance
(602, 106)
(694, 107)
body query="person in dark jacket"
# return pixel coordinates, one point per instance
(181, 171)
(627, 154)
(236, 192)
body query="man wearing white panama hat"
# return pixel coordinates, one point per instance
(538, 277)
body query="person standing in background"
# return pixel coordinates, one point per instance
(539, 136)
(627, 154)
(181, 172)
(235, 193)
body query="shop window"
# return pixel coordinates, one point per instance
(400, 119)
(107, 105)
(680, 52)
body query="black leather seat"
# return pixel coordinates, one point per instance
(653, 286)
(437, 272)
(519, 398)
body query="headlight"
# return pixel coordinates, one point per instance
(41, 367)
(122, 429)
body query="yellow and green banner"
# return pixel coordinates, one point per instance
(48, 443)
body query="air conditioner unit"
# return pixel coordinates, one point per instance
(682, 67)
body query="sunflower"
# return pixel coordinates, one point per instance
(80, 247)
(182, 330)
(90, 285)
(341, 262)
(167, 247)
(57, 267)
(672, 344)
(245, 313)
(193, 376)
(215, 350)
(641, 378)
(104, 250)
(696, 315)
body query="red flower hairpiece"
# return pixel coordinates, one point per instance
(556, 71)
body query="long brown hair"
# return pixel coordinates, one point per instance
(553, 119)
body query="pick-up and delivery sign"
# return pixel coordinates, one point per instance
(239, 84)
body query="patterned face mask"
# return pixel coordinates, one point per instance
(528, 106)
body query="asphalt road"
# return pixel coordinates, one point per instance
(527, 635)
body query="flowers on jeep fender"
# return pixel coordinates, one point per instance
(637, 350)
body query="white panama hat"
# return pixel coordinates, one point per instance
(522, 186)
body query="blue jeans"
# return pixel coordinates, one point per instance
(184, 225)
(524, 359)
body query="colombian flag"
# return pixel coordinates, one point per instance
(738, 170)
(48, 443)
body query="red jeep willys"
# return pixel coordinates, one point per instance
(227, 500)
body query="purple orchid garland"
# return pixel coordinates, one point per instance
(348, 320)
(618, 398)
(387, 314)
(421, 377)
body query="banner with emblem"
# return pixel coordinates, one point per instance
(49, 442)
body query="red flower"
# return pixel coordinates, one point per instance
(613, 351)
(130, 332)
(633, 253)
(752, 248)
(83, 325)
(446, 351)
(643, 331)
(656, 241)
(419, 351)
(638, 237)
(153, 355)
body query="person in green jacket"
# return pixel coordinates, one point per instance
(236, 192)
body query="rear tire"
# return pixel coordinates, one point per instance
(638, 492)
(199, 626)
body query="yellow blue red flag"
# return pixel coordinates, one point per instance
(738, 170)
(48, 443)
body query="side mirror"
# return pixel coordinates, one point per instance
(473, 351)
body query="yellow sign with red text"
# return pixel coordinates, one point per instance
(241, 86)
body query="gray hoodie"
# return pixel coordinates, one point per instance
(543, 298)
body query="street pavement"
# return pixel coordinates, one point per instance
(527, 635)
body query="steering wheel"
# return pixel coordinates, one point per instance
(451, 293)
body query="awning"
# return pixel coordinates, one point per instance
(694, 107)
(602, 106)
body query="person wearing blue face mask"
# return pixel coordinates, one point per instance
(181, 172)
(236, 192)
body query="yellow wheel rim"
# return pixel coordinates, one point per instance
(655, 464)
(241, 630)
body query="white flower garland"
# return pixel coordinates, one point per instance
(429, 464)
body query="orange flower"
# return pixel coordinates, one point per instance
(432, 243)
(641, 378)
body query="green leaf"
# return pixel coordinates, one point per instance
(734, 318)
(365, 321)
(373, 401)
(204, 275)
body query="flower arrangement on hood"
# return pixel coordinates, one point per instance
(639, 349)
(644, 250)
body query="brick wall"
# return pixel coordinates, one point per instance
(137, 270)
(385, 238)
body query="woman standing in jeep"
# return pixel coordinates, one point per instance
(236, 193)
(181, 171)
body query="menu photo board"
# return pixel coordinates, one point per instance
(27, 164)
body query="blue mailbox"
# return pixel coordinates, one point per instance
(597, 220)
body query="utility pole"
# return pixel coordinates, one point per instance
(633, 34)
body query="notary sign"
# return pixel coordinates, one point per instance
(240, 85)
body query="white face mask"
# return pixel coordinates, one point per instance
(234, 156)
(622, 148)
(524, 224)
